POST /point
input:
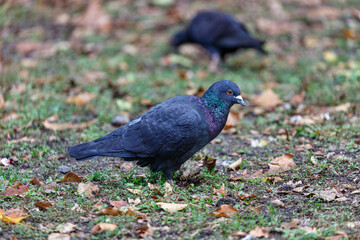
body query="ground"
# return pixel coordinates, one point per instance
(69, 67)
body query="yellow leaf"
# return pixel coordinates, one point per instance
(172, 207)
(329, 56)
(12, 219)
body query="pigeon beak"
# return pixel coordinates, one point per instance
(240, 100)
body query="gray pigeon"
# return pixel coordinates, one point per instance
(219, 33)
(169, 133)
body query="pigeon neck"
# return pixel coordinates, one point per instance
(218, 108)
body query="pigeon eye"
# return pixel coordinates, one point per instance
(229, 92)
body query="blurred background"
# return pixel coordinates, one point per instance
(77, 61)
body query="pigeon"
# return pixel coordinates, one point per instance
(219, 34)
(169, 133)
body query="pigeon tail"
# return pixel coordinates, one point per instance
(101, 147)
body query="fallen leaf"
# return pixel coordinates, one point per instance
(103, 227)
(88, 189)
(356, 192)
(58, 236)
(298, 98)
(43, 205)
(71, 177)
(134, 202)
(146, 231)
(13, 215)
(293, 224)
(96, 18)
(329, 56)
(225, 211)
(221, 190)
(232, 120)
(112, 211)
(27, 47)
(81, 99)
(246, 196)
(328, 195)
(66, 227)
(277, 202)
(281, 164)
(342, 108)
(118, 204)
(245, 175)
(239, 234)
(209, 163)
(64, 126)
(2, 101)
(134, 191)
(196, 91)
(339, 235)
(259, 232)
(23, 139)
(16, 189)
(235, 164)
(268, 99)
(172, 207)
(168, 189)
(10, 117)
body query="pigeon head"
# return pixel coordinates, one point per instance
(178, 39)
(223, 93)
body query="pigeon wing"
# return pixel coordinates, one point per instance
(168, 131)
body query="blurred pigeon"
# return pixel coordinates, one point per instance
(169, 133)
(219, 34)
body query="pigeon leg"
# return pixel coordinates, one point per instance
(214, 63)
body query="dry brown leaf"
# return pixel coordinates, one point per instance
(118, 204)
(232, 120)
(239, 234)
(172, 207)
(247, 196)
(88, 189)
(16, 189)
(245, 175)
(64, 126)
(209, 163)
(66, 228)
(225, 211)
(235, 164)
(103, 227)
(71, 177)
(268, 99)
(293, 224)
(342, 108)
(278, 202)
(281, 164)
(112, 211)
(92, 77)
(27, 47)
(146, 231)
(339, 235)
(58, 236)
(37, 182)
(259, 232)
(328, 195)
(2, 101)
(168, 189)
(221, 190)
(298, 98)
(134, 191)
(96, 18)
(196, 91)
(81, 99)
(10, 117)
(43, 205)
